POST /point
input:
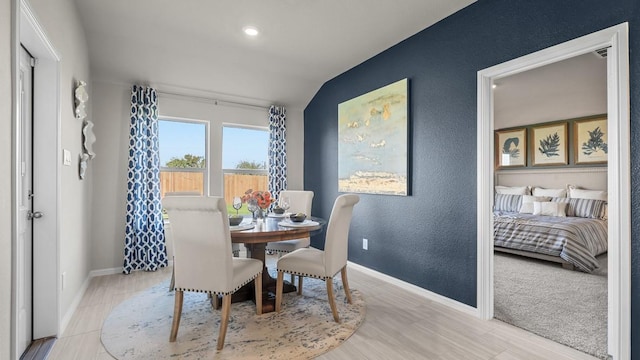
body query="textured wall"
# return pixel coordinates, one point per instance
(429, 238)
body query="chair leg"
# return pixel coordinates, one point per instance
(177, 312)
(293, 279)
(345, 284)
(224, 320)
(300, 277)
(214, 301)
(257, 284)
(332, 301)
(279, 286)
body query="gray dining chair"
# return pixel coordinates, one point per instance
(323, 264)
(202, 257)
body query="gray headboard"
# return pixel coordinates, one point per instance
(594, 178)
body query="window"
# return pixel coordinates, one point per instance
(183, 156)
(245, 160)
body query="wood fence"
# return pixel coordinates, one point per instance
(234, 184)
(237, 184)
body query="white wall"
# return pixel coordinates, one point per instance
(111, 113)
(61, 23)
(5, 178)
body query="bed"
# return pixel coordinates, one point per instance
(572, 241)
(574, 234)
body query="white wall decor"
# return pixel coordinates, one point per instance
(81, 100)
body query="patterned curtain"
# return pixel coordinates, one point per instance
(144, 242)
(277, 150)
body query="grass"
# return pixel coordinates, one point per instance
(230, 210)
(243, 210)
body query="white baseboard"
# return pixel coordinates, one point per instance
(111, 271)
(83, 290)
(74, 306)
(102, 272)
(417, 290)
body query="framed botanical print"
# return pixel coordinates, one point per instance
(590, 141)
(511, 148)
(549, 144)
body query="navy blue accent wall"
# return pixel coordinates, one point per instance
(429, 238)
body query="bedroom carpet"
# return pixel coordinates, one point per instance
(139, 327)
(568, 307)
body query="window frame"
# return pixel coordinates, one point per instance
(245, 171)
(207, 155)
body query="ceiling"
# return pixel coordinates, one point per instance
(197, 47)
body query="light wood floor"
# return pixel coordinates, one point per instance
(398, 325)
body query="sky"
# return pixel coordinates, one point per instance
(239, 144)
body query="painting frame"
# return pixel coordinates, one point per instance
(590, 141)
(373, 141)
(511, 148)
(549, 144)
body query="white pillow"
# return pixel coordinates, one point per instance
(513, 190)
(576, 193)
(527, 203)
(549, 208)
(537, 191)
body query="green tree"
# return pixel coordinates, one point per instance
(252, 165)
(187, 161)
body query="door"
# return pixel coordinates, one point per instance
(24, 290)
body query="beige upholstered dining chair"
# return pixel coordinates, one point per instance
(299, 201)
(235, 248)
(202, 256)
(321, 264)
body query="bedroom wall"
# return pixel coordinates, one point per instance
(5, 179)
(568, 89)
(111, 109)
(434, 247)
(565, 90)
(61, 23)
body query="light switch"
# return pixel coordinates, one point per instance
(66, 157)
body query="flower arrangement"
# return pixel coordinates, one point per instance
(261, 198)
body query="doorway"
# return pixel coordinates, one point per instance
(45, 198)
(619, 306)
(25, 209)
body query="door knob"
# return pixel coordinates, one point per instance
(34, 215)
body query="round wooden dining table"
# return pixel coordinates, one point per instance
(256, 239)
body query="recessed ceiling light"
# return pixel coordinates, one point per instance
(494, 86)
(250, 30)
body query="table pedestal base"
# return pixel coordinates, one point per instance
(257, 251)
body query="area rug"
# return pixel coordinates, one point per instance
(568, 307)
(139, 327)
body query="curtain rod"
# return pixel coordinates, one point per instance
(207, 99)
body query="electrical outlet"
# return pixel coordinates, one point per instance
(365, 244)
(64, 274)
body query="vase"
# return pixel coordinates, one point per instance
(258, 215)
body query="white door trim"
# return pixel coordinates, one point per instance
(619, 323)
(47, 159)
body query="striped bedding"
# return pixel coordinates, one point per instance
(576, 240)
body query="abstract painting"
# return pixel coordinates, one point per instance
(590, 141)
(549, 144)
(372, 141)
(511, 148)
